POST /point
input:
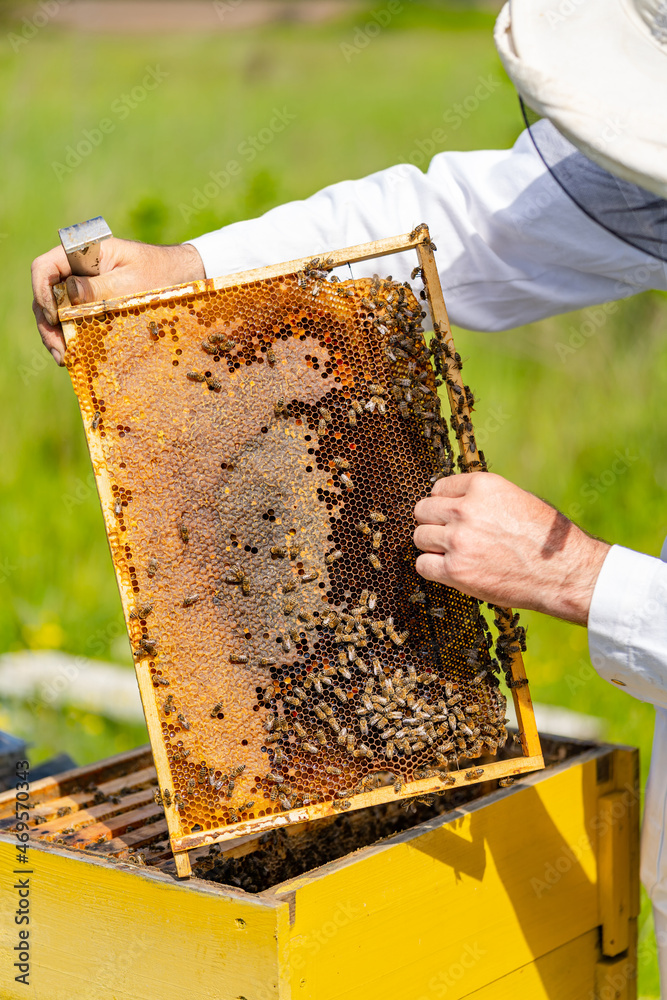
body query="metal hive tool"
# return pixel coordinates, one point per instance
(259, 443)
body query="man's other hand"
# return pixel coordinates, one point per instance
(126, 268)
(492, 540)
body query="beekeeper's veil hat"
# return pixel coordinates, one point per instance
(597, 70)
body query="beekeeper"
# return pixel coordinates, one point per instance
(573, 215)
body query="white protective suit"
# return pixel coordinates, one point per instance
(512, 248)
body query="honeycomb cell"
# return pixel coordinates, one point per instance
(259, 471)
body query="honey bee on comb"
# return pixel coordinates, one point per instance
(295, 478)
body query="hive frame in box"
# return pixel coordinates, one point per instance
(531, 759)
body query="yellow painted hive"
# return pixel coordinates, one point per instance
(522, 893)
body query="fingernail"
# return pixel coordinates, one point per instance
(51, 316)
(56, 355)
(74, 290)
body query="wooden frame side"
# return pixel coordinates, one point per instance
(142, 668)
(459, 403)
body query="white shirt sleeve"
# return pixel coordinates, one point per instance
(512, 246)
(627, 624)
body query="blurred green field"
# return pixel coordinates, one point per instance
(553, 424)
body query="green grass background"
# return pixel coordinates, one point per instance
(561, 420)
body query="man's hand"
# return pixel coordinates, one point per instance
(126, 268)
(492, 540)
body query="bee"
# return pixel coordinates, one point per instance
(291, 701)
(183, 532)
(183, 721)
(235, 771)
(233, 817)
(293, 550)
(476, 772)
(196, 376)
(321, 427)
(229, 791)
(352, 418)
(377, 539)
(223, 342)
(333, 557)
(238, 658)
(363, 528)
(191, 785)
(154, 330)
(330, 769)
(157, 796)
(374, 561)
(300, 731)
(279, 407)
(345, 804)
(341, 464)
(325, 414)
(95, 423)
(377, 390)
(310, 576)
(214, 384)
(372, 601)
(179, 802)
(160, 681)
(357, 407)
(319, 712)
(300, 693)
(208, 348)
(289, 605)
(308, 620)
(340, 694)
(321, 737)
(168, 706)
(118, 508)
(278, 552)
(246, 806)
(289, 585)
(335, 725)
(266, 661)
(271, 356)
(217, 708)
(371, 404)
(344, 672)
(506, 782)
(166, 795)
(141, 611)
(310, 747)
(192, 599)
(521, 682)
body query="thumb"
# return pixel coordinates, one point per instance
(84, 289)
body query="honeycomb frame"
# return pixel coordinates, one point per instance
(310, 274)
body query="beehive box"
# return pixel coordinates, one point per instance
(528, 893)
(259, 443)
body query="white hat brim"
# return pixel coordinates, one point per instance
(594, 69)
